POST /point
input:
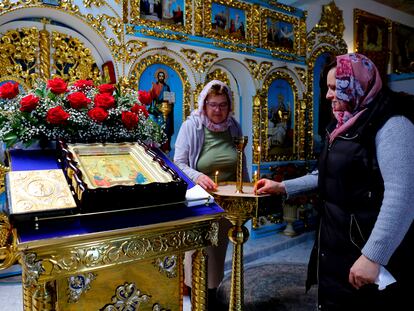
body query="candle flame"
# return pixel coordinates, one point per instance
(216, 173)
(258, 148)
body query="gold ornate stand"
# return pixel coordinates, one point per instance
(239, 207)
(137, 266)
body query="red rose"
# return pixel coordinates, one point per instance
(9, 90)
(57, 85)
(129, 119)
(82, 84)
(106, 88)
(57, 116)
(78, 100)
(98, 114)
(138, 109)
(104, 101)
(29, 103)
(145, 97)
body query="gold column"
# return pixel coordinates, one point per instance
(199, 293)
(238, 234)
(44, 55)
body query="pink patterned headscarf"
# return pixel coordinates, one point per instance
(223, 126)
(357, 83)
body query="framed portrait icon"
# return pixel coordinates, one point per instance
(170, 14)
(228, 20)
(279, 32)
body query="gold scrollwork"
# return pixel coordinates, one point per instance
(199, 61)
(301, 73)
(127, 297)
(32, 268)
(72, 61)
(113, 252)
(97, 3)
(298, 147)
(198, 17)
(233, 47)
(258, 71)
(212, 234)
(218, 74)
(167, 265)
(78, 284)
(163, 35)
(18, 50)
(196, 93)
(167, 60)
(127, 52)
(8, 253)
(157, 307)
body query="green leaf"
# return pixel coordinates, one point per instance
(10, 139)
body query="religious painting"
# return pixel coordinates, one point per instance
(280, 118)
(110, 165)
(166, 88)
(371, 38)
(279, 31)
(108, 72)
(168, 14)
(164, 11)
(228, 20)
(402, 48)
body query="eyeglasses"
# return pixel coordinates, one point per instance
(214, 105)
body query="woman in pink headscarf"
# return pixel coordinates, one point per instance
(364, 176)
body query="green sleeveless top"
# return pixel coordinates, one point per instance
(218, 154)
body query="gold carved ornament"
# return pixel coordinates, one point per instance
(18, 50)
(71, 259)
(72, 61)
(199, 61)
(258, 71)
(166, 60)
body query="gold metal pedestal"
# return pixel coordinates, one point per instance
(239, 207)
(140, 267)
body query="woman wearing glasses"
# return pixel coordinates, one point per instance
(204, 146)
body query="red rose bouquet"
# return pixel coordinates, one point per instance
(81, 112)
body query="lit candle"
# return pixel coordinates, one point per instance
(255, 177)
(215, 177)
(258, 163)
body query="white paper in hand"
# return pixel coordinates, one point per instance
(384, 278)
(197, 196)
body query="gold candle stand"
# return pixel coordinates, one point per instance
(239, 207)
(240, 143)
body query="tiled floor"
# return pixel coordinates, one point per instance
(274, 248)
